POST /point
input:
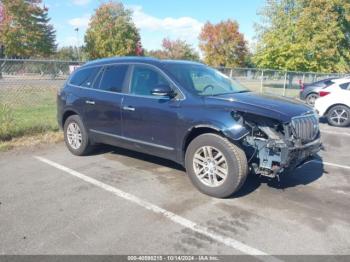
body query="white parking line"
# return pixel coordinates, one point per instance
(334, 133)
(330, 164)
(230, 242)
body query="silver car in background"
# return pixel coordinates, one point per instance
(309, 92)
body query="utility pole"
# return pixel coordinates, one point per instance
(78, 47)
(2, 47)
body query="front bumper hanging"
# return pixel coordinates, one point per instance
(275, 157)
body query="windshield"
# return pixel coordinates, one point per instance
(203, 80)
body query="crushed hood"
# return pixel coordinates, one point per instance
(282, 109)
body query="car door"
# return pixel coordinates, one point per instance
(103, 107)
(80, 92)
(149, 121)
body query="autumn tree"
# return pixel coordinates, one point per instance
(112, 32)
(304, 35)
(175, 49)
(26, 30)
(158, 53)
(222, 44)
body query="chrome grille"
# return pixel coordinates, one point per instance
(305, 127)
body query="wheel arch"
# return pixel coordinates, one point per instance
(313, 92)
(330, 107)
(201, 129)
(67, 113)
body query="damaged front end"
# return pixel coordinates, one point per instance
(273, 147)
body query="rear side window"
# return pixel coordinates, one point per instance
(97, 81)
(328, 83)
(345, 86)
(113, 78)
(85, 77)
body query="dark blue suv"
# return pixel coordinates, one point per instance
(189, 113)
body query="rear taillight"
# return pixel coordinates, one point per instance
(301, 84)
(324, 93)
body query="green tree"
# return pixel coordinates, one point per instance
(304, 35)
(112, 32)
(175, 49)
(47, 44)
(222, 44)
(26, 31)
(69, 53)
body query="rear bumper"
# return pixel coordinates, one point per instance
(59, 115)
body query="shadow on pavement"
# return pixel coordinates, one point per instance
(323, 120)
(304, 175)
(103, 149)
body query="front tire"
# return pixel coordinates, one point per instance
(216, 166)
(76, 136)
(339, 116)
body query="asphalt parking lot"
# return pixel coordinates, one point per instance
(121, 202)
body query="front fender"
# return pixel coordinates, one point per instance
(235, 131)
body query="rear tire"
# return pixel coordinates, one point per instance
(215, 166)
(311, 98)
(76, 136)
(339, 116)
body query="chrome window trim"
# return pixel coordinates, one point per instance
(132, 140)
(130, 64)
(104, 91)
(101, 71)
(125, 94)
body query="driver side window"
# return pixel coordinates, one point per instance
(145, 79)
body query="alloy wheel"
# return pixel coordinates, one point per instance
(210, 166)
(74, 135)
(339, 116)
(311, 99)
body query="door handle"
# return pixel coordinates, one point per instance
(90, 102)
(128, 108)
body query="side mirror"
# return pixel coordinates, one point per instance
(163, 90)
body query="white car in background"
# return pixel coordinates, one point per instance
(338, 84)
(335, 106)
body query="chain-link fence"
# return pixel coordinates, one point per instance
(276, 82)
(27, 95)
(28, 90)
